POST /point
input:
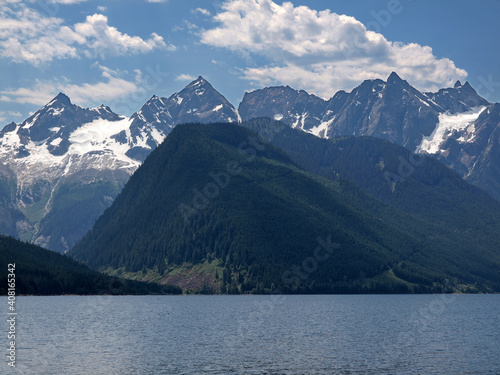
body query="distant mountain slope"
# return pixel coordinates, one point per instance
(65, 164)
(61, 167)
(416, 184)
(296, 108)
(469, 143)
(459, 98)
(455, 125)
(42, 272)
(197, 102)
(212, 203)
(392, 110)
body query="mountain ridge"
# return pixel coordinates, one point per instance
(205, 200)
(63, 149)
(68, 161)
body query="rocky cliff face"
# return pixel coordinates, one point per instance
(64, 165)
(455, 124)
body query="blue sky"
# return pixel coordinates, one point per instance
(120, 53)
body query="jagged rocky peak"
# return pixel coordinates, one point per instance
(296, 108)
(198, 81)
(8, 128)
(459, 98)
(197, 102)
(394, 78)
(61, 98)
(200, 102)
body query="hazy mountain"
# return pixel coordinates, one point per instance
(455, 124)
(459, 98)
(63, 169)
(217, 209)
(65, 164)
(295, 108)
(392, 110)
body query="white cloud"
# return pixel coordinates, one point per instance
(102, 8)
(203, 11)
(67, 1)
(321, 52)
(185, 77)
(104, 40)
(28, 36)
(10, 113)
(112, 87)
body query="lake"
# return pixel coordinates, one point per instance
(365, 334)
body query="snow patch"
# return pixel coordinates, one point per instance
(157, 135)
(30, 124)
(95, 136)
(218, 108)
(278, 116)
(57, 111)
(321, 129)
(448, 124)
(179, 100)
(237, 115)
(56, 141)
(424, 102)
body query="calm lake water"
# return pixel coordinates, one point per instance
(423, 334)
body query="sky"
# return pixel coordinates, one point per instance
(122, 52)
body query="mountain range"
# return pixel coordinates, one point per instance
(64, 165)
(218, 209)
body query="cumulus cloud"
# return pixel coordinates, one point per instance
(320, 51)
(67, 1)
(28, 36)
(203, 11)
(112, 87)
(185, 77)
(10, 113)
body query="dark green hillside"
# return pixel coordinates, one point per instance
(43, 272)
(420, 186)
(212, 209)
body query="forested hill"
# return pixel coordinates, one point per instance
(415, 184)
(214, 209)
(43, 272)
